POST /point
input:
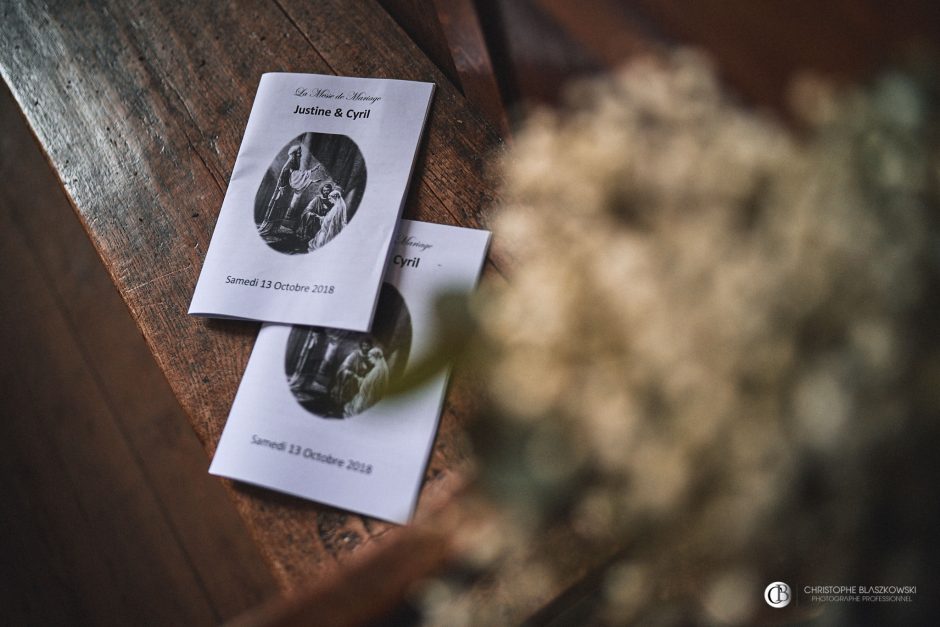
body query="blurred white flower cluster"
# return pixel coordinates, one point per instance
(706, 333)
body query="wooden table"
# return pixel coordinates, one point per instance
(140, 107)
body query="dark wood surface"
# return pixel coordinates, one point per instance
(451, 34)
(140, 108)
(108, 515)
(757, 45)
(419, 19)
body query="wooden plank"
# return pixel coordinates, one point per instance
(227, 565)
(140, 108)
(450, 33)
(535, 56)
(419, 19)
(602, 28)
(464, 34)
(95, 532)
(384, 579)
(759, 45)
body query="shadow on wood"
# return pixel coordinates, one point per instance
(109, 514)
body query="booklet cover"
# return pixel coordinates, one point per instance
(310, 418)
(314, 199)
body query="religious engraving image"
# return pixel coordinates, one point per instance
(310, 192)
(338, 374)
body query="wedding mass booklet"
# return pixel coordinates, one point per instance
(310, 417)
(314, 199)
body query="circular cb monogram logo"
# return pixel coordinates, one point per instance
(777, 594)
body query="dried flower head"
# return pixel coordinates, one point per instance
(711, 330)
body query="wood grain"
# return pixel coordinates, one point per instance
(128, 400)
(418, 18)
(140, 108)
(59, 432)
(450, 33)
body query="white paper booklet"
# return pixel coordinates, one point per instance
(315, 197)
(310, 419)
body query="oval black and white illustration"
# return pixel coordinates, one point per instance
(338, 374)
(310, 192)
